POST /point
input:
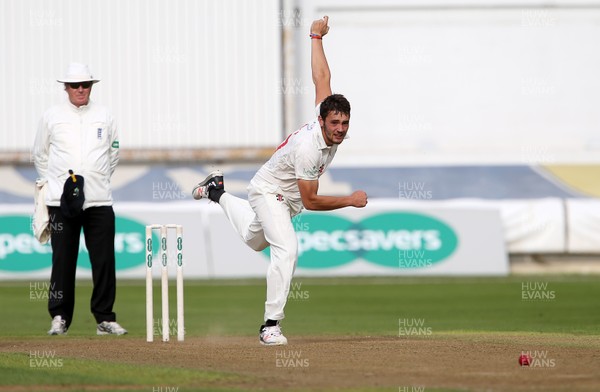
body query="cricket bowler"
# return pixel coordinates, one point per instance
(287, 183)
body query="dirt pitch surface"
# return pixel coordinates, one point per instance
(450, 361)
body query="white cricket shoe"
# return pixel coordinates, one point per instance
(110, 328)
(272, 336)
(58, 326)
(214, 180)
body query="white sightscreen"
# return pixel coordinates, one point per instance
(453, 83)
(176, 73)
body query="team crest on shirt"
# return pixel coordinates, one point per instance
(279, 197)
(321, 169)
(311, 172)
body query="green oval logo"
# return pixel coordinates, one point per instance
(407, 240)
(20, 250)
(395, 240)
(322, 243)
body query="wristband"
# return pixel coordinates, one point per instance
(315, 36)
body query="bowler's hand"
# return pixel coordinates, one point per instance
(319, 26)
(359, 199)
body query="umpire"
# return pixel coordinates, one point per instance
(79, 136)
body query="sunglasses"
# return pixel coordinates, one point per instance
(75, 86)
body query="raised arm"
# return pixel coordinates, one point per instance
(320, 69)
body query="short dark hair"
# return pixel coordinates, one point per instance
(336, 103)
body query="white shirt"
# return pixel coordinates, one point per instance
(303, 155)
(83, 139)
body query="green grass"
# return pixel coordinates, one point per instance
(16, 370)
(352, 306)
(339, 306)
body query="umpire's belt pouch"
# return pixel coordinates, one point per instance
(71, 201)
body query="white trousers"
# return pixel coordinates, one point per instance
(261, 221)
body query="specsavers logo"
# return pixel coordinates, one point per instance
(21, 252)
(395, 240)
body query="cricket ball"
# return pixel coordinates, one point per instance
(524, 360)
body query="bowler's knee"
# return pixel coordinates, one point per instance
(258, 244)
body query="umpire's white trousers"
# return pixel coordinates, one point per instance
(261, 221)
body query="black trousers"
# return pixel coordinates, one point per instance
(98, 225)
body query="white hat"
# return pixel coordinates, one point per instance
(77, 72)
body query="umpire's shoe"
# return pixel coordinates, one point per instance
(213, 181)
(110, 328)
(58, 326)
